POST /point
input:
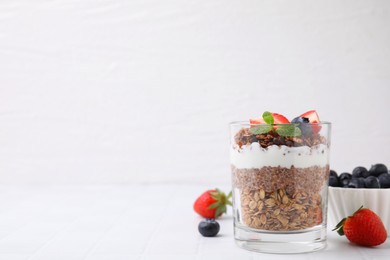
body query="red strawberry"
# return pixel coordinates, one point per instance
(257, 121)
(364, 228)
(280, 119)
(212, 203)
(313, 119)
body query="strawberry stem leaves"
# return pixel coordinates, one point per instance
(339, 227)
(221, 201)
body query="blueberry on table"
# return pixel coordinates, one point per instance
(377, 169)
(384, 180)
(371, 182)
(334, 181)
(333, 173)
(303, 124)
(360, 172)
(356, 183)
(208, 227)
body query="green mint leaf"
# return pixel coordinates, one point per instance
(288, 130)
(262, 129)
(268, 118)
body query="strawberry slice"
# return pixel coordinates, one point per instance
(313, 119)
(312, 116)
(280, 119)
(257, 121)
(277, 118)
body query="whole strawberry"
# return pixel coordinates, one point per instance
(364, 228)
(212, 203)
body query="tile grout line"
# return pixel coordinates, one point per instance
(153, 233)
(53, 236)
(24, 223)
(91, 250)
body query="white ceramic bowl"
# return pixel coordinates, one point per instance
(344, 202)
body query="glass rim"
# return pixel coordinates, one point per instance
(246, 123)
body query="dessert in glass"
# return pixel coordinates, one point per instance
(280, 172)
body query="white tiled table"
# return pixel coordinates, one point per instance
(127, 222)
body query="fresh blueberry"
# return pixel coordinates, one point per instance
(333, 173)
(384, 180)
(334, 181)
(303, 124)
(299, 120)
(360, 172)
(371, 182)
(208, 227)
(377, 169)
(344, 179)
(356, 183)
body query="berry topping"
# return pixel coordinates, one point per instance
(303, 124)
(377, 169)
(257, 121)
(360, 172)
(270, 118)
(371, 182)
(208, 227)
(274, 123)
(306, 124)
(313, 118)
(212, 203)
(363, 228)
(280, 119)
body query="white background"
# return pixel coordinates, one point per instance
(143, 90)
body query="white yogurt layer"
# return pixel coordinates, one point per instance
(254, 156)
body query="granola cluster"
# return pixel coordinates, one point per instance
(281, 199)
(245, 137)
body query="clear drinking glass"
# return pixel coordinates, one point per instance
(280, 187)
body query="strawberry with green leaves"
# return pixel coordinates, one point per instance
(212, 203)
(363, 228)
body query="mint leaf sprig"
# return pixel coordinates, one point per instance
(262, 129)
(268, 117)
(282, 130)
(289, 130)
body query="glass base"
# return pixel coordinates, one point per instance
(305, 241)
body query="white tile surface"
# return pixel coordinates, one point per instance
(143, 222)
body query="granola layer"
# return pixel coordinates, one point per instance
(280, 199)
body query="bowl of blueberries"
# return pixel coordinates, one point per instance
(368, 188)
